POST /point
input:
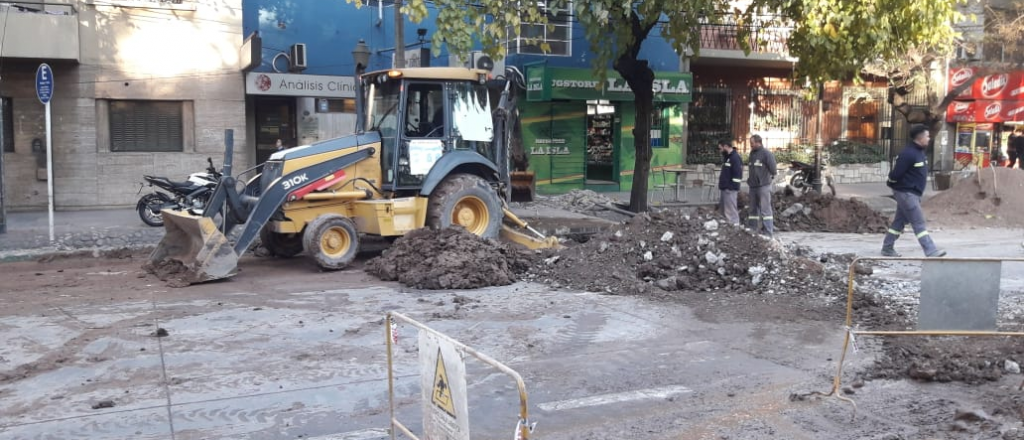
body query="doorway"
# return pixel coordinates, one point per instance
(275, 119)
(600, 143)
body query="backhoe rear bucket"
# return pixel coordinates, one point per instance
(523, 186)
(203, 251)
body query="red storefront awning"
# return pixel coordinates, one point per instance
(997, 97)
(985, 111)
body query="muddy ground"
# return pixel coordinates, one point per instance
(761, 342)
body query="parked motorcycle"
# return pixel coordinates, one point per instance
(804, 173)
(191, 194)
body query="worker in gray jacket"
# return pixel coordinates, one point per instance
(761, 174)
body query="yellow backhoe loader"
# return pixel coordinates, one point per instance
(428, 151)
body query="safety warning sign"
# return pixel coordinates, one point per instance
(443, 381)
(442, 394)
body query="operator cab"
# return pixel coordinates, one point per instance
(423, 114)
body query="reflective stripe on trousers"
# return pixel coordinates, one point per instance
(761, 210)
(908, 210)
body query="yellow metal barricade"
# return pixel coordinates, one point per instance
(852, 334)
(523, 427)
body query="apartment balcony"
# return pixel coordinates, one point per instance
(720, 44)
(40, 30)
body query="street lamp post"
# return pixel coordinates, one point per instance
(819, 143)
(361, 56)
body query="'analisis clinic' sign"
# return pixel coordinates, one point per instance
(285, 84)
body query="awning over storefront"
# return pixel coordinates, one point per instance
(985, 111)
(998, 97)
(558, 83)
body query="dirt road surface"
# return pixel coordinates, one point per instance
(284, 351)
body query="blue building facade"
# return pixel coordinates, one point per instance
(299, 101)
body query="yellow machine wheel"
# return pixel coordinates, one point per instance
(332, 240)
(468, 201)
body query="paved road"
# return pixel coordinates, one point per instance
(283, 351)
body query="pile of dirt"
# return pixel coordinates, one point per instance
(997, 202)
(813, 212)
(667, 251)
(949, 359)
(450, 258)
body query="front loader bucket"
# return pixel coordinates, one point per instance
(193, 250)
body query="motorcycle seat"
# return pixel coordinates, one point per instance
(168, 183)
(802, 164)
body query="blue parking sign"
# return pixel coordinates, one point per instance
(44, 83)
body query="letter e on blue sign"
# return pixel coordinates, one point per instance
(44, 83)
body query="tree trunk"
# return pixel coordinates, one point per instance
(643, 100)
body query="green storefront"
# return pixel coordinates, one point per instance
(579, 136)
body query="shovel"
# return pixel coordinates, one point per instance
(995, 188)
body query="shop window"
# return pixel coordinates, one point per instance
(8, 124)
(557, 34)
(327, 105)
(659, 126)
(146, 126)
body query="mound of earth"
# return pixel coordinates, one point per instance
(959, 359)
(671, 252)
(450, 258)
(998, 201)
(813, 212)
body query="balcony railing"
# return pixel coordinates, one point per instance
(726, 37)
(40, 30)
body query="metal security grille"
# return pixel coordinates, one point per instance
(146, 126)
(776, 115)
(710, 121)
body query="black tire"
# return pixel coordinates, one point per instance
(468, 201)
(146, 211)
(281, 245)
(798, 181)
(332, 241)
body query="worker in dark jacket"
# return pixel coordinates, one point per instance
(729, 180)
(760, 177)
(908, 179)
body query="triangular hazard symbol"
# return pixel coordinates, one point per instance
(442, 394)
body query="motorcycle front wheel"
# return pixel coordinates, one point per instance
(798, 181)
(149, 209)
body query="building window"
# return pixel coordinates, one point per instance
(8, 124)
(660, 126)
(331, 105)
(710, 121)
(557, 34)
(146, 126)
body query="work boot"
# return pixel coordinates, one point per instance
(937, 253)
(890, 252)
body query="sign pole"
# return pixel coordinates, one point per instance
(49, 168)
(44, 91)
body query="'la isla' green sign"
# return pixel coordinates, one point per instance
(558, 83)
